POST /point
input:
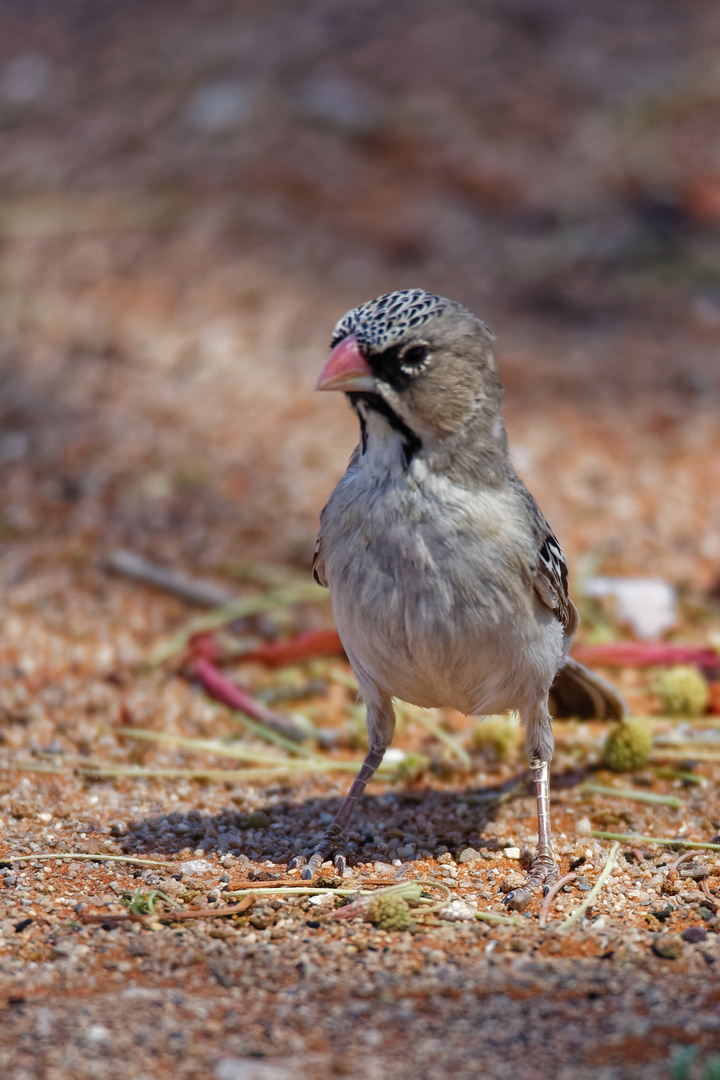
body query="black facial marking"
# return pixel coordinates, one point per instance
(411, 444)
(363, 430)
(388, 366)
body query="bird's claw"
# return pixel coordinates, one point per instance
(544, 871)
(327, 848)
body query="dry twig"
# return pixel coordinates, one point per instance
(191, 589)
(552, 893)
(172, 916)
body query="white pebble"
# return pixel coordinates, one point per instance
(511, 852)
(195, 866)
(97, 1033)
(458, 911)
(383, 869)
(583, 827)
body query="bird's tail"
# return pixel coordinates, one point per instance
(582, 693)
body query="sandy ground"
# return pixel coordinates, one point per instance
(190, 196)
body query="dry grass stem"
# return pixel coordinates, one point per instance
(594, 892)
(73, 856)
(632, 838)
(633, 795)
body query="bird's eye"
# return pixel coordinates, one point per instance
(414, 359)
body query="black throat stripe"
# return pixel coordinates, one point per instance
(411, 444)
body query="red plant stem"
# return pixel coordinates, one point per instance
(316, 644)
(205, 644)
(229, 693)
(645, 654)
(310, 645)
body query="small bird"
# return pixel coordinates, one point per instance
(448, 586)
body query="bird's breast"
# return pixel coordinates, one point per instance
(427, 591)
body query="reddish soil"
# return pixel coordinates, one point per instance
(191, 194)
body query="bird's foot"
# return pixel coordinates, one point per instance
(544, 871)
(331, 846)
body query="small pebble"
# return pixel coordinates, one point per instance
(512, 852)
(262, 915)
(320, 898)
(383, 869)
(457, 911)
(469, 855)
(583, 827)
(694, 934)
(668, 946)
(695, 870)
(195, 866)
(513, 880)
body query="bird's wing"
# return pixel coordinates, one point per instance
(550, 572)
(318, 563)
(550, 582)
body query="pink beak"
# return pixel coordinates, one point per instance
(346, 368)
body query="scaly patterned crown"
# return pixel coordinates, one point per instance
(382, 323)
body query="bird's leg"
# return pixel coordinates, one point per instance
(544, 869)
(335, 839)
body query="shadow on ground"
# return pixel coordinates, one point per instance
(423, 823)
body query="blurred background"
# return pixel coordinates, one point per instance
(192, 193)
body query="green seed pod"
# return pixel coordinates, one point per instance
(627, 745)
(498, 737)
(683, 691)
(412, 767)
(390, 913)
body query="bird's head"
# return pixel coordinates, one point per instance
(420, 359)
